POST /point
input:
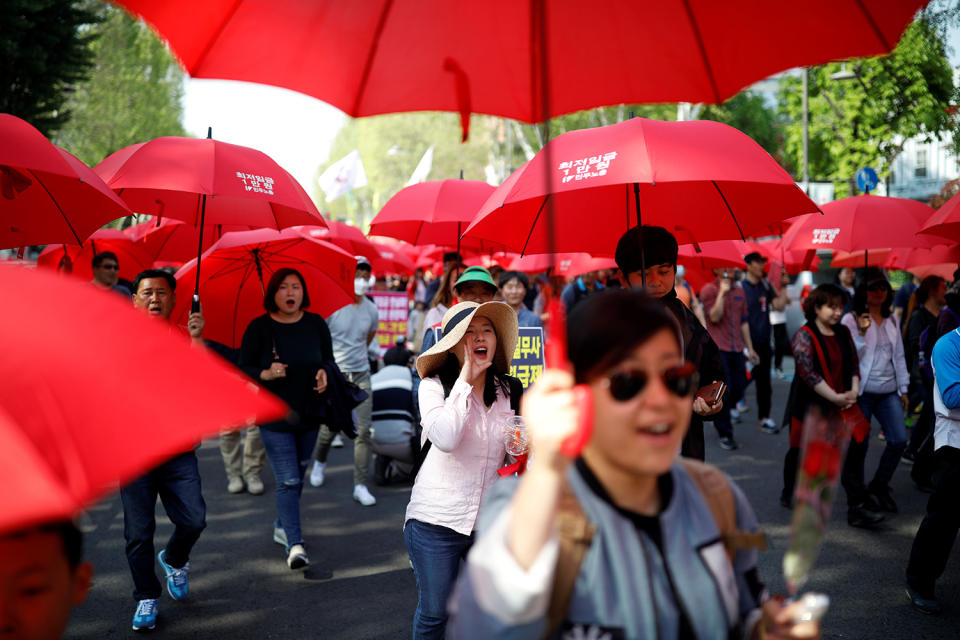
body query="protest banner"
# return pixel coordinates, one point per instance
(394, 311)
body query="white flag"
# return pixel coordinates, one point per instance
(423, 169)
(343, 175)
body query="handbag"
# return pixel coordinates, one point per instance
(853, 419)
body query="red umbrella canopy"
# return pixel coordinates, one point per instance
(563, 264)
(945, 222)
(857, 259)
(345, 236)
(391, 260)
(72, 258)
(436, 212)
(912, 259)
(862, 223)
(95, 393)
(169, 240)
(237, 268)
(701, 180)
(386, 56)
(715, 254)
(167, 177)
(46, 194)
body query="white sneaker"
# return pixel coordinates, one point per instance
(337, 442)
(235, 485)
(362, 495)
(316, 474)
(297, 558)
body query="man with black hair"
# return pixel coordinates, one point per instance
(761, 297)
(106, 273)
(176, 482)
(42, 577)
(658, 249)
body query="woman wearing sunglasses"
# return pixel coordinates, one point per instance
(654, 566)
(884, 381)
(464, 404)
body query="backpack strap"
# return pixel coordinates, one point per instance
(718, 494)
(576, 533)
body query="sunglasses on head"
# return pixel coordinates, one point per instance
(680, 381)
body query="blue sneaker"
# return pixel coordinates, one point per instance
(146, 615)
(177, 585)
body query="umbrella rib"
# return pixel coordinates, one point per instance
(214, 37)
(873, 25)
(57, 205)
(724, 198)
(703, 51)
(368, 64)
(534, 225)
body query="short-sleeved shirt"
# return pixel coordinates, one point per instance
(726, 333)
(759, 299)
(349, 328)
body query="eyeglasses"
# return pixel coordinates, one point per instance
(110, 266)
(681, 381)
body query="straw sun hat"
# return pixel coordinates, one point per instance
(455, 323)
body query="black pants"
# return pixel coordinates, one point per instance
(921, 441)
(790, 463)
(781, 345)
(938, 531)
(761, 376)
(693, 445)
(852, 475)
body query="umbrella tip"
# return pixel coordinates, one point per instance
(209, 133)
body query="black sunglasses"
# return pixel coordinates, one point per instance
(680, 381)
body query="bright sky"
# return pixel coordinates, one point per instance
(293, 129)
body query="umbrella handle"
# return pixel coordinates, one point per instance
(555, 351)
(195, 304)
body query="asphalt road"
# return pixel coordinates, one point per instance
(360, 584)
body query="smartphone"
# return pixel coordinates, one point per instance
(712, 393)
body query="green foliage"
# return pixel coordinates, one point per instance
(44, 53)
(865, 121)
(392, 145)
(750, 113)
(133, 95)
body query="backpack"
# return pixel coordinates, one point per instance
(576, 533)
(516, 390)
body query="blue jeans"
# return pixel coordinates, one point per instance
(177, 483)
(289, 453)
(888, 411)
(435, 553)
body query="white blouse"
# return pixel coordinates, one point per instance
(463, 460)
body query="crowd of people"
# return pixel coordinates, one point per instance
(655, 360)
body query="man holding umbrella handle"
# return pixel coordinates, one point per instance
(176, 481)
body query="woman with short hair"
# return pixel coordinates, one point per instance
(285, 350)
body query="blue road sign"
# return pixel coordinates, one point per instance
(867, 179)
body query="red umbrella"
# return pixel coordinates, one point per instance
(345, 236)
(391, 260)
(436, 212)
(701, 180)
(715, 254)
(857, 259)
(173, 177)
(239, 265)
(47, 194)
(563, 264)
(72, 258)
(862, 223)
(169, 240)
(501, 259)
(369, 58)
(95, 393)
(945, 222)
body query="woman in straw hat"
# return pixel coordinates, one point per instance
(464, 403)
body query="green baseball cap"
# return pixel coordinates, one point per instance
(475, 274)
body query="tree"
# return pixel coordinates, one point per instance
(44, 53)
(750, 113)
(392, 145)
(134, 92)
(866, 121)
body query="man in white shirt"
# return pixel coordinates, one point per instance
(352, 328)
